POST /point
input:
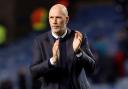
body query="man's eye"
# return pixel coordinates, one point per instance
(50, 17)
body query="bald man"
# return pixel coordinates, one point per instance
(61, 57)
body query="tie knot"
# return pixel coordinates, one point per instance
(60, 39)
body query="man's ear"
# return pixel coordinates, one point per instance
(67, 19)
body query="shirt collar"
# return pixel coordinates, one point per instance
(56, 36)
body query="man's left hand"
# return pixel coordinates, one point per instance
(77, 41)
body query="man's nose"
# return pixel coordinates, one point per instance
(55, 21)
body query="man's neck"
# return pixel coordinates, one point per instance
(61, 34)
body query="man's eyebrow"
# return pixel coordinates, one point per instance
(50, 16)
(58, 16)
(55, 16)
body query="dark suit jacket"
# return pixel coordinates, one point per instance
(70, 72)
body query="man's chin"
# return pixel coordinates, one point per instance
(56, 30)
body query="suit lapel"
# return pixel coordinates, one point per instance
(50, 43)
(69, 48)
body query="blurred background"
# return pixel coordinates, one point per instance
(105, 22)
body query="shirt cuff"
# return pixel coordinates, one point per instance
(79, 54)
(51, 62)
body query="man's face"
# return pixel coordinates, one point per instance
(58, 20)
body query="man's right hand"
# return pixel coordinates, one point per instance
(55, 52)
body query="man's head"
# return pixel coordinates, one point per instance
(58, 18)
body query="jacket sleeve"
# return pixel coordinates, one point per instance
(39, 66)
(86, 59)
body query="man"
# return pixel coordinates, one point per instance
(61, 56)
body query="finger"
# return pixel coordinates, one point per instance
(56, 47)
(76, 35)
(58, 53)
(80, 35)
(78, 32)
(56, 43)
(80, 39)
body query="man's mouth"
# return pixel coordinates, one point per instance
(55, 26)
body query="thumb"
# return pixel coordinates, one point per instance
(76, 35)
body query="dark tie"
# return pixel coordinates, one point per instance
(63, 66)
(62, 48)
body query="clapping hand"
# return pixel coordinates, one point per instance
(55, 52)
(77, 41)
